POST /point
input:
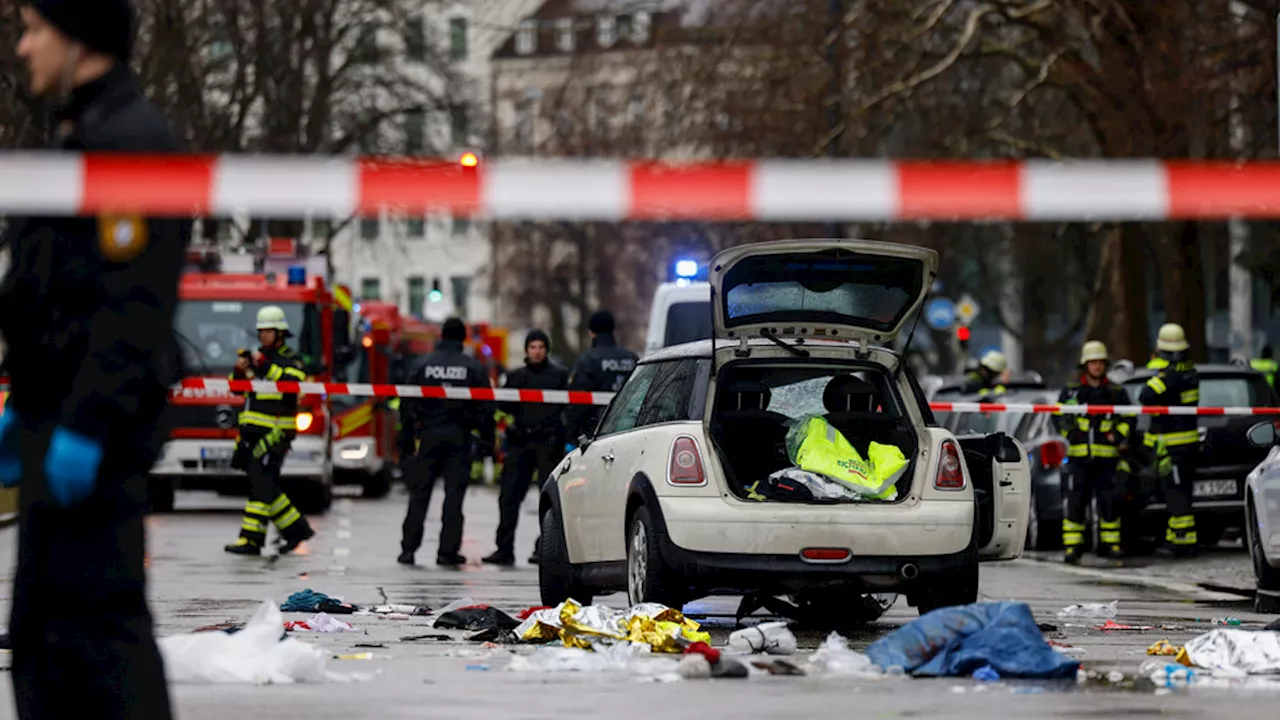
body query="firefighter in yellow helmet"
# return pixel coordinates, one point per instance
(1177, 384)
(1095, 445)
(985, 380)
(1266, 364)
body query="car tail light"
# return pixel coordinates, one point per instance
(1052, 454)
(950, 469)
(825, 554)
(686, 463)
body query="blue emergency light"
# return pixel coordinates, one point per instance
(686, 268)
(297, 275)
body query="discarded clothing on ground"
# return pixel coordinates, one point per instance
(956, 641)
(311, 601)
(475, 617)
(321, 622)
(257, 654)
(1240, 651)
(663, 629)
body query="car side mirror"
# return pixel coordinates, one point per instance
(1262, 434)
(1003, 448)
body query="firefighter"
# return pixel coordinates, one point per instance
(86, 310)
(535, 441)
(268, 425)
(1095, 444)
(443, 430)
(1266, 365)
(1177, 384)
(603, 368)
(985, 380)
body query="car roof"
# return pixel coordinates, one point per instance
(702, 349)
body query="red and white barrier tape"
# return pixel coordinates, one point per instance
(201, 387)
(617, 189)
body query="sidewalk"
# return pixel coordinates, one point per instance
(1225, 569)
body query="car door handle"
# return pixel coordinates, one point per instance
(608, 459)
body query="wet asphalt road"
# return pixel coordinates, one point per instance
(194, 584)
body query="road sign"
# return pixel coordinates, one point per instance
(940, 313)
(967, 309)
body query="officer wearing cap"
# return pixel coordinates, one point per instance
(87, 312)
(443, 431)
(603, 368)
(1176, 384)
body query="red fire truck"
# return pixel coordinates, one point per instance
(215, 320)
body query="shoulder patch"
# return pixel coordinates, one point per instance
(122, 238)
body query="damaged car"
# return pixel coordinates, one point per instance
(791, 458)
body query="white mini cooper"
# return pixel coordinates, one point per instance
(666, 500)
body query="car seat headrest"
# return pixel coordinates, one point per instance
(848, 393)
(748, 395)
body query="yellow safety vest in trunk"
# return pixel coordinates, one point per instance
(825, 451)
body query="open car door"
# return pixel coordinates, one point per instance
(1001, 477)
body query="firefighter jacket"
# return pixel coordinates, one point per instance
(1149, 451)
(87, 306)
(1178, 385)
(449, 366)
(1267, 367)
(1093, 436)
(816, 446)
(268, 422)
(974, 382)
(537, 422)
(603, 368)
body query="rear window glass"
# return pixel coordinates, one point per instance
(687, 322)
(798, 392)
(1220, 392)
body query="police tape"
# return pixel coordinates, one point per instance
(200, 387)
(621, 189)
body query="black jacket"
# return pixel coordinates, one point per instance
(1094, 436)
(449, 366)
(87, 306)
(603, 368)
(1177, 385)
(537, 422)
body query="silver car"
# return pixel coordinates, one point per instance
(1262, 509)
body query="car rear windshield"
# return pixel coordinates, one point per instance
(687, 322)
(1222, 391)
(797, 392)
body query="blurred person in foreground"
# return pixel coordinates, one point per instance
(87, 312)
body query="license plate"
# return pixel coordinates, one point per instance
(1213, 488)
(216, 457)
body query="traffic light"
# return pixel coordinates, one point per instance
(962, 334)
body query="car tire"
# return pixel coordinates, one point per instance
(377, 486)
(160, 495)
(557, 578)
(1209, 532)
(1042, 534)
(648, 578)
(1268, 578)
(953, 589)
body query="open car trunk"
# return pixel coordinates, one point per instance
(758, 401)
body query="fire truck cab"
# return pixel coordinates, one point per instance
(216, 319)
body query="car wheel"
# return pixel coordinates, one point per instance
(952, 590)
(1042, 534)
(160, 495)
(557, 580)
(377, 486)
(1267, 576)
(1209, 532)
(648, 579)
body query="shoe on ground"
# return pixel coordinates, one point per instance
(406, 558)
(1110, 551)
(292, 543)
(243, 547)
(500, 559)
(1071, 556)
(450, 560)
(533, 559)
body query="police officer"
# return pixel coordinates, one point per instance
(1094, 449)
(87, 310)
(603, 368)
(535, 440)
(1266, 365)
(1177, 384)
(444, 431)
(986, 379)
(268, 425)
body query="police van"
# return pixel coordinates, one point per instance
(681, 313)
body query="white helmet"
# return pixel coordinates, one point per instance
(1093, 350)
(994, 361)
(272, 317)
(1172, 338)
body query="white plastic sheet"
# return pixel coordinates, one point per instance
(1241, 651)
(255, 654)
(836, 659)
(1092, 611)
(773, 638)
(625, 657)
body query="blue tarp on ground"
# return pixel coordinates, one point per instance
(956, 641)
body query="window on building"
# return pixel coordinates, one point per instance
(526, 112)
(369, 228)
(461, 225)
(366, 49)
(606, 31)
(415, 124)
(321, 228)
(640, 26)
(527, 37)
(415, 39)
(415, 227)
(458, 39)
(417, 294)
(635, 110)
(564, 35)
(371, 289)
(461, 294)
(458, 124)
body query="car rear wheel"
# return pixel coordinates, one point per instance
(557, 580)
(1042, 534)
(377, 486)
(1267, 576)
(160, 495)
(648, 578)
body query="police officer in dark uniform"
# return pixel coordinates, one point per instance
(1177, 384)
(87, 311)
(603, 368)
(444, 431)
(535, 440)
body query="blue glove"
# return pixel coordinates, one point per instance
(72, 466)
(10, 463)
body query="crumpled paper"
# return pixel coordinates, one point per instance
(662, 628)
(1240, 651)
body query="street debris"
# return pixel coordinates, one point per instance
(311, 601)
(703, 661)
(475, 617)
(663, 629)
(771, 638)
(1167, 675)
(1163, 647)
(1226, 621)
(625, 657)
(322, 622)
(834, 658)
(986, 673)
(1240, 651)
(955, 641)
(1090, 611)
(256, 654)
(430, 636)
(1112, 625)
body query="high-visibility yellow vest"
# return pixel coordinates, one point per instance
(1268, 368)
(822, 449)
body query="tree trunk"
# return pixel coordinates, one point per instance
(1182, 279)
(1119, 315)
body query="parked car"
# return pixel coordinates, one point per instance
(1262, 516)
(657, 501)
(952, 389)
(1046, 449)
(1226, 455)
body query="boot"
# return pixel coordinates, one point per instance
(500, 558)
(453, 560)
(294, 539)
(1071, 556)
(406, 558)
(243, 547)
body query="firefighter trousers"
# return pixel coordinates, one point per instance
(522, 461)
(1181, 534)
(1090, 479)
(82, 635)
(437, 457)
(268, 503)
